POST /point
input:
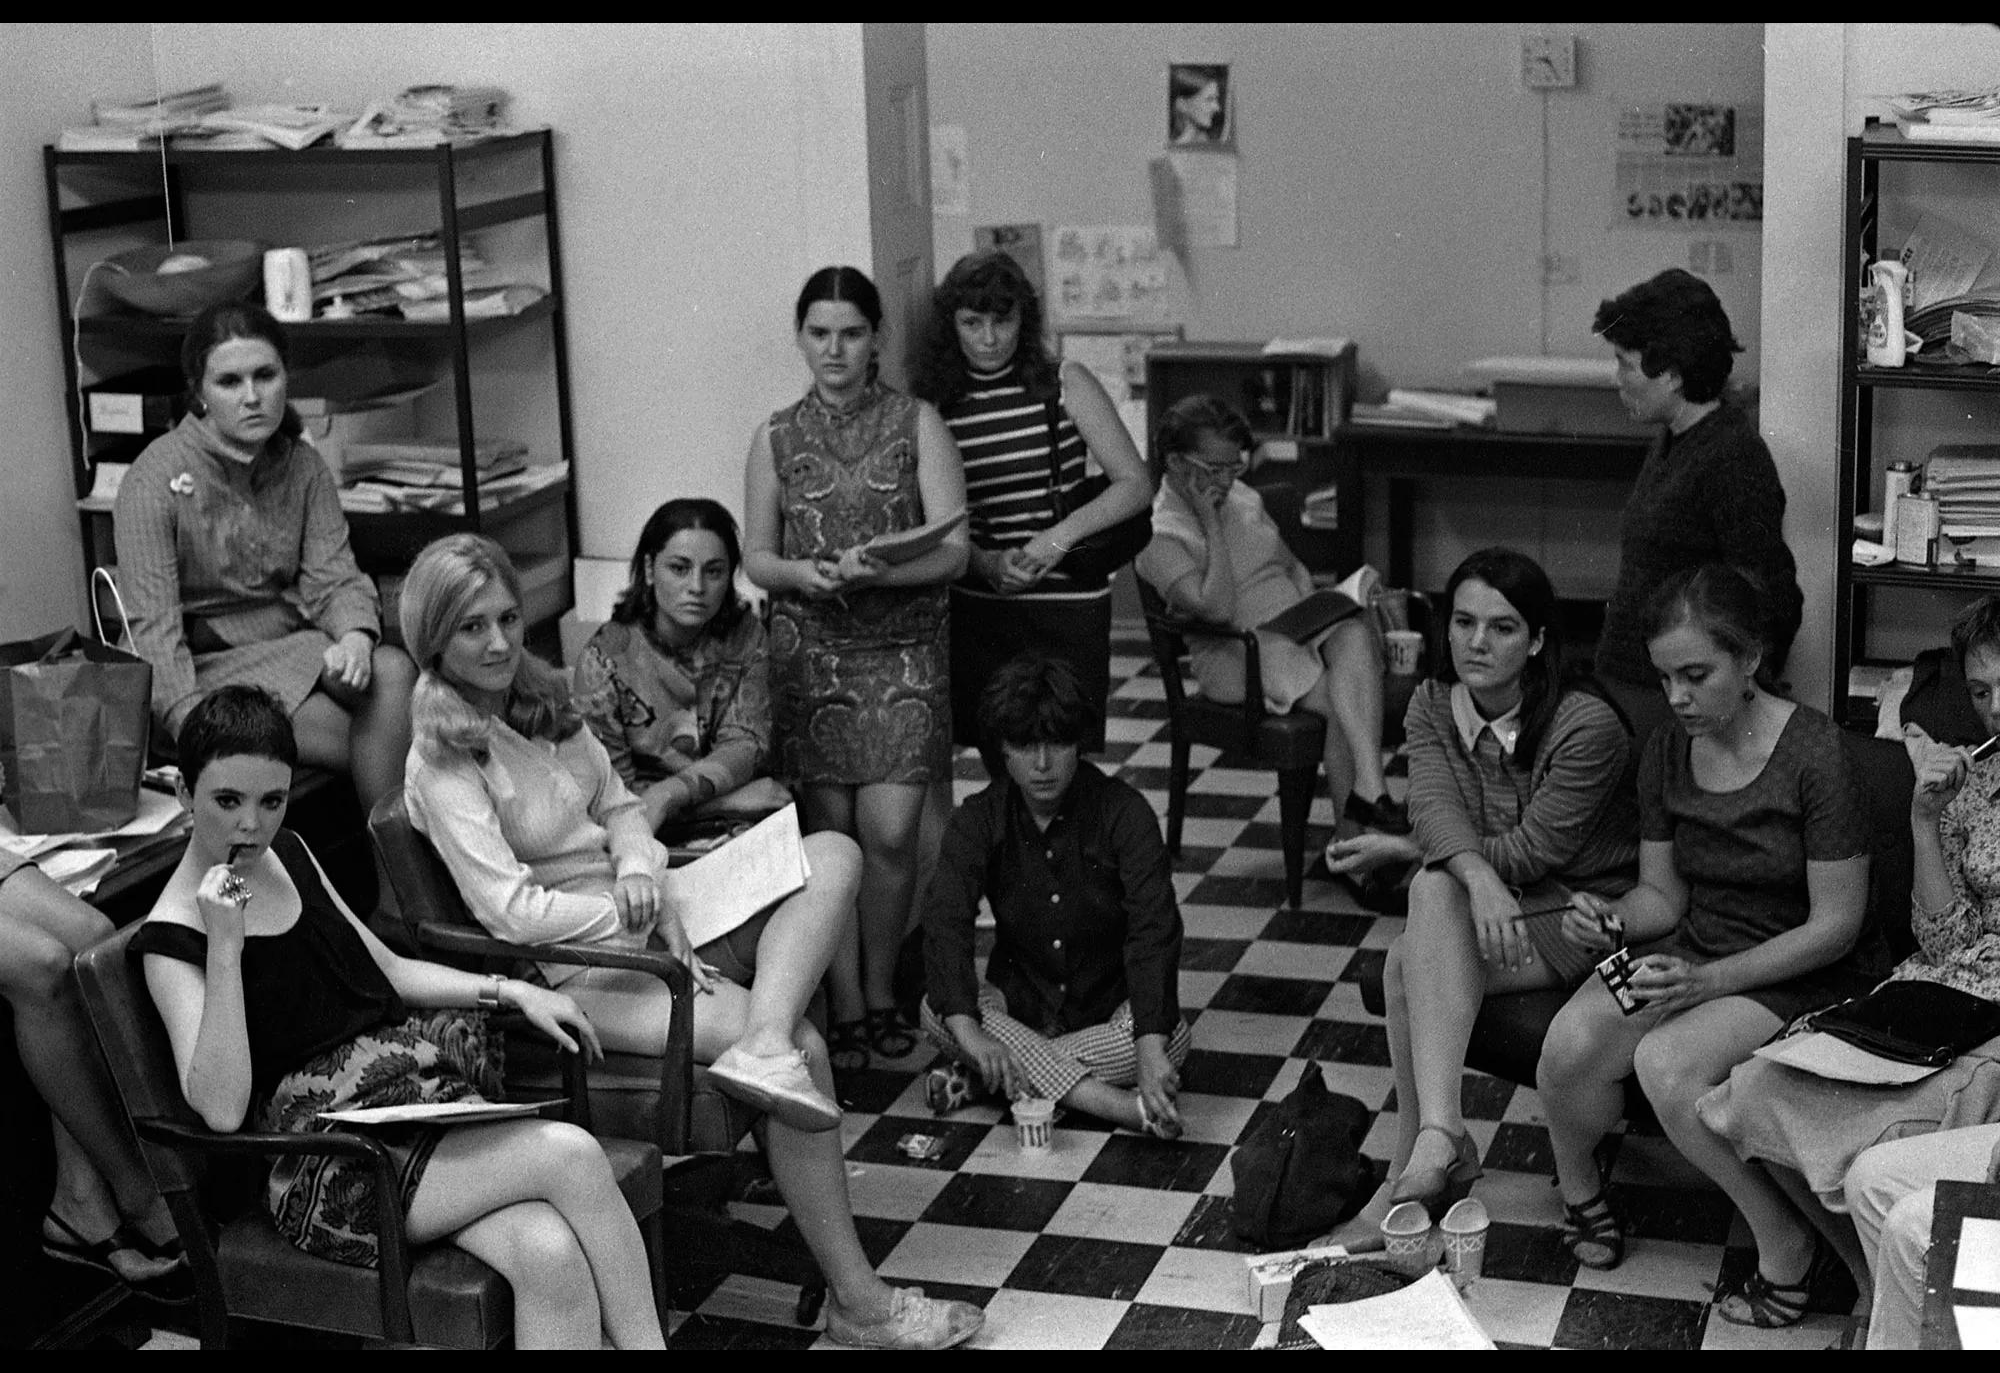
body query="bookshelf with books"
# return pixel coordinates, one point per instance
(459, 370)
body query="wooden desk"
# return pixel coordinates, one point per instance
(1406, 456)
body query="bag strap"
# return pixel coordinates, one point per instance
(124, 639)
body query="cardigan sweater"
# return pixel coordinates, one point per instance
(1568, 813)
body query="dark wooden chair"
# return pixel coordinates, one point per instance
(436, 1294)
(1292, 744)
(667, 1100)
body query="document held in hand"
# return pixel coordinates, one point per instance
(758, 868)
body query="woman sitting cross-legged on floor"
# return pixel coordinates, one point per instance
(1519, 787)
(1750, 908)
(1820, 1128)
(547, 844)
(279, 1005)
(1082, 1004)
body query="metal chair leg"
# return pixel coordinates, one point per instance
(1295, 792)
(1177, 785)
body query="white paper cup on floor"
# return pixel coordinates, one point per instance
(1034, 1124)
(1464, 1229)
(1404, 648)
(1410, 1238)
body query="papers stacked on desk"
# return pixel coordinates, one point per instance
(1450, 407)
(78, 862)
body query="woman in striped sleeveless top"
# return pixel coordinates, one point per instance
(1025, 426)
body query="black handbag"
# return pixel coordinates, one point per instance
(1300, 1171)
(1908, 1021)
(1095, 558)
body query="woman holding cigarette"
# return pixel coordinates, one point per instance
(1753, 888)
(1519, 794)
(860, 656)
(1875, 1152)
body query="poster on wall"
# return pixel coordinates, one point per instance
(1107, 275)
(1118, 361)
(951, 171)
(1022, 242)
(1689, 165)
(1199, 112)
(1206, 190)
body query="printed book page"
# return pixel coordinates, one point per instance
(723, 888)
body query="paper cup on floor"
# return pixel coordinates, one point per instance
(1403, 648)
(1410, 1238)
(1464, 1230)
(1034, 1124)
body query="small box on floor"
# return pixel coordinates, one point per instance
(1270, 1277)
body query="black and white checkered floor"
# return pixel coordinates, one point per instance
(1115, 1241)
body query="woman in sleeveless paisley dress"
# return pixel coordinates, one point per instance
(860, 661)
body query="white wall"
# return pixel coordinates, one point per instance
(1822, 81)
(41, 556)
(703, 171)
(1391, 188)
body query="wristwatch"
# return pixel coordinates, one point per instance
(489, 992)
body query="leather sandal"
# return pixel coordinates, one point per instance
(847, 1046)
(890, 1034)
(1768, 1305)
(1592, 1233)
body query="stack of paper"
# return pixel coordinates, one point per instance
(423, 116)
(373, 496)
(752, 872)
(1952, 116)
(1321, 509)
(1449, 406)
(1428, 1314)
(1965, 478)
(123, 126)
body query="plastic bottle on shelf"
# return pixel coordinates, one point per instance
(1885, 327)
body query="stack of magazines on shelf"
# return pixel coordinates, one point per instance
(414, 474)
(1321, 508)
(409, 277)
(425, 116)
(1954, 116)
(1965, 479)
(126, 126)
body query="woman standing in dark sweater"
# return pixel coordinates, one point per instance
(1708, 491)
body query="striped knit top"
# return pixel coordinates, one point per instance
(1002, 433)
(1569, 813)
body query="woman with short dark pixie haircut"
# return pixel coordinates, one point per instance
(1080, 1002)
(1707, 492)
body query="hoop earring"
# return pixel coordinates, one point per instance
(198, 408)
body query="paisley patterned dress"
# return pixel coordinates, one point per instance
(860, 684)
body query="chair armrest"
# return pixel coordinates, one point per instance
(393, 1246)
(1183, 627)
(676, 1114)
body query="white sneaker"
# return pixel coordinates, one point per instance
(777, 1084)
(914, 1322)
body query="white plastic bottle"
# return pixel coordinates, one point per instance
(1885, 330)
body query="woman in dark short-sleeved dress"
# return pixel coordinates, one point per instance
(860, 672)
(1753, 886)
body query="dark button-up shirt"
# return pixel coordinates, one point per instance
(1085, 909)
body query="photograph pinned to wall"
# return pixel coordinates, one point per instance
(1106, 275)
(1689, 165)
(951, 171)
(1022, 242)
(1199, 109)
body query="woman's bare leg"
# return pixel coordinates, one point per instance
(831, 807)
(1336, 757)
(1683, 1059)
(887, 816)
(100, 1176)
(1586, 1057)
(365, 734)
(799, 942)
(1354, 688)
(482, 1173)
(1444, 981)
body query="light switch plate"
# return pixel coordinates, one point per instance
(1548, 61)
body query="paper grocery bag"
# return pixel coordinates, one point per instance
(74, 718)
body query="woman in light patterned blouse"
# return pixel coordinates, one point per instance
(1875, 1152)
(234, 563)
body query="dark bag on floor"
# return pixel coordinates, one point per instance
(1300, 1171)
(1094, 557)
(74, 719)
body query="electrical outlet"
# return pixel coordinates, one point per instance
(1548, 61)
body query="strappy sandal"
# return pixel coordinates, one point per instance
(171, 1286)
(847, 1046)
(890, 1034)
(1592, 1233)
(1768, 1305)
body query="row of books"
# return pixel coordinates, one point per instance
(1965, 480)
